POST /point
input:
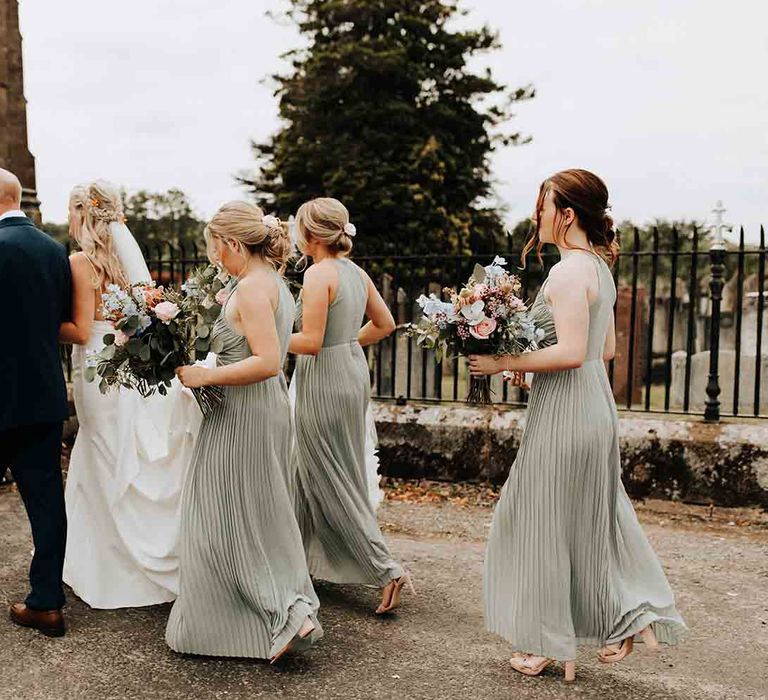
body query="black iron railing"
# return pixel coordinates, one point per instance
(689, 322)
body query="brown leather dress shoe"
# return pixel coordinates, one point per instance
(49, 622)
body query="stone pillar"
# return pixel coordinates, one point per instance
(14, 151)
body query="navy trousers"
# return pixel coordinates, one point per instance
(33, 454)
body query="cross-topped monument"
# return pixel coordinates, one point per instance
(14, 151)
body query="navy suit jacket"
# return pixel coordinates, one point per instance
(35, 297)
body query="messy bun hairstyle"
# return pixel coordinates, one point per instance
(327, 221)
(587, 195)
(246, 225)
(93, 209)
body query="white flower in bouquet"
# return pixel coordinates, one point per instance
(474, 313)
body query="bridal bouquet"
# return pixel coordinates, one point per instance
(485, 317)
(157, 330)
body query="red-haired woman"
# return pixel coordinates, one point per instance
(567, 562)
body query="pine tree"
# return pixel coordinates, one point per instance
(382, 112)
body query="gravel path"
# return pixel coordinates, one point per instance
(436, 647)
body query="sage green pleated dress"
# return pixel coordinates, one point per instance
(567, 562)
(341, 536)
(245, 589)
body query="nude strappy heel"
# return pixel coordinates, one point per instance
(306, 629)
(611, 656)
(394, 601)
(649, 639)
(522, 663)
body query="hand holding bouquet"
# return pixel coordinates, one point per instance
(158, 330)
(485, 317)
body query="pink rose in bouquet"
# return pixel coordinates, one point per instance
(483, 330)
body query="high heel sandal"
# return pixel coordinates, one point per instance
(394, 599)
(649, 639)
(522, 664)
(306, 629)
(607, 655)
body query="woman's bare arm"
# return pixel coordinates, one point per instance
(380, 322)
(78, 330)
(609, 351)
(319, 281)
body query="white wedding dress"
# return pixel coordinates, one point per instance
(125, 478)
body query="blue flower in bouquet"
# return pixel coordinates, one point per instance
(432, 306)
(496, 270)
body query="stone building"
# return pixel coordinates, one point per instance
(14, 151)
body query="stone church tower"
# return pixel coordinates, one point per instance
(14, 152)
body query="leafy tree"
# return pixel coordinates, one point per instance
(381, 111)
(162, 218)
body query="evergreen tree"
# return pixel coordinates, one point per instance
(382, 112)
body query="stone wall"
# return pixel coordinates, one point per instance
(670, 457)
(14, 151)
(662, 457)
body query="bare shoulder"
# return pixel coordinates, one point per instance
(573, 273)
(78, 258)
(80, 263)
(324, 272)
(256, 289)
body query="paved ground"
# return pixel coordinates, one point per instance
(435, 647)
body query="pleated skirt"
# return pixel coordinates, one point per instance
(341, 535)
(567, 562)
(245, 589)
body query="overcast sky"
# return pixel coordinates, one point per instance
(666, 99)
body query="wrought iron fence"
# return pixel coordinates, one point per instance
(689, 322)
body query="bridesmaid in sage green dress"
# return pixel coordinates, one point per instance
(341, 536)
(567, 562)
(245, 589)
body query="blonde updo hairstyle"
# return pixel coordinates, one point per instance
(323, 219)
(242, 226)
(93, 208)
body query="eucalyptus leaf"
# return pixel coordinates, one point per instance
(108, 352)
(478, 274)
(217, 346)
(145, 353)
(134, 346)
(203, 331)
(130, 324)
(90, 374)
(109, 339)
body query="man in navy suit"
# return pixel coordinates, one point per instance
(36, 288)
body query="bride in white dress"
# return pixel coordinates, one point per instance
(129, 459)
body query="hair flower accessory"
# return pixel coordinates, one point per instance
(350, 230)
(271, 221)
